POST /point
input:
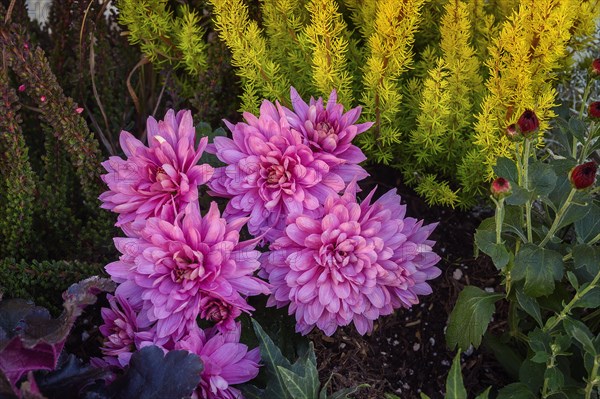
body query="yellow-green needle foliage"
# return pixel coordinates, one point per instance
(176, 40)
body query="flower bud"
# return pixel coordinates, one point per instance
(501, 188)
(584, 175)
(528, 123)
(513, 133)
(594, 110)
(596, 67)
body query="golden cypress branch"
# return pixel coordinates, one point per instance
(259, 72)
(389, 56)
(326, 34)
(363, 14)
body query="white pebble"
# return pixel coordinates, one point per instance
(431, 341)
(457, 274)
(416, 346)
(489, 289)
(469, 351)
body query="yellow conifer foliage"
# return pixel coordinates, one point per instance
(326, 33)
(388, 56)
(523, 59)
(450, 98)
(258, 71)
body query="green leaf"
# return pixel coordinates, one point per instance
(573, 279)
(272, 359)
(588, 227)
(509, 359)
(555, 378)
(539, 342)
(578, 128)
(532, 374)
(590, 300)
(485, 239)
(581, 333)
(506, 168)
(530, 305)
(485, 394)
(517, 390)
(574, 214)
(293, 384)
(470, 317)
(519, 195)
(455, 389)
(586, 257)
(539, 267)
(512, 221)
(343, 393)
(542, 179)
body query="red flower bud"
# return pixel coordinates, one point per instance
(594, 110)
(596, 67)
(584, 175)
(513, 133)
(528, 123)
(501, 188)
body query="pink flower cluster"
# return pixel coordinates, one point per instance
(291, 175)
(332, 260)
(177, 265)
(287, 162)
(350, 262)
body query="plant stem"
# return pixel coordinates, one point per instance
(499, 218)
(561, 213)
(567, 309)
(592, 381)
(526, 152)
(549, 365)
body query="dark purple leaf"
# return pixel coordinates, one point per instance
(30, 339)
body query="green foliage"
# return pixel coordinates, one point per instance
(543, 240)
(43, 281)
(286, 380)
(470, 317)
(455, 388)
(163, 38)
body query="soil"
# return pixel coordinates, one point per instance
(406, 354)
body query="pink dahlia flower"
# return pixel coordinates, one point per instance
(271, 172)
(351, 263)
(124, 331)
(172, 267)
(329, 131)
(226, 361)
(159, 179)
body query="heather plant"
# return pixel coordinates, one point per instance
(435, 77)
(543, 241)
(49, 175)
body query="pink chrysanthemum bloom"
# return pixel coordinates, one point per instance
(329, 131)
(171, 267)
(226, 361)
(352, 263)
(159, 179)
(271, 172)
(218, 311)
(124, 331)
